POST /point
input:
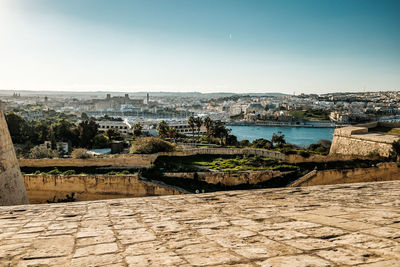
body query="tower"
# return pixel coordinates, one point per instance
(12, 187)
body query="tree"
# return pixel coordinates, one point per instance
(63, 131)
(172, 133)
(163, 129)
(137, 129)
(220, 131)
(278, 138)
(113, 135)
(198, 122)
(87, 131)
(42, 130)
(18, 127)
(101, 141)
(192, 124)
(208, 123)
(84, 116)
(231, 140)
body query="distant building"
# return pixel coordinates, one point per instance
(121, 126)
(255, 108)
(60, 146)
(183, 128)
(32, 115)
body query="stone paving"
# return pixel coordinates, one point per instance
(337, 225)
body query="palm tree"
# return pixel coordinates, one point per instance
(192, 123)
(208, 123)
(198, 121)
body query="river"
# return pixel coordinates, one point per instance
(294, 135)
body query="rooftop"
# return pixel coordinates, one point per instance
(332, 225)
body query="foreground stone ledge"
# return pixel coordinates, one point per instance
(352, 224)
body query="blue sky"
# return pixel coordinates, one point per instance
(191, 45)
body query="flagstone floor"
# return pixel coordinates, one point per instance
(351, 224)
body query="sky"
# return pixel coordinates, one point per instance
(239, 46)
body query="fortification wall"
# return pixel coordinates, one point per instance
(358, 145)
(41, 188)
(358, 141)
(383, 172)
(229, 178)
(12, 190)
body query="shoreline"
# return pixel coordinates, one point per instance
(286, 125)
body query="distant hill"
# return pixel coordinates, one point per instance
(102, 94)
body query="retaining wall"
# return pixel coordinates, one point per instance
(145, 160)
(41, 188)
(383, 172)
(229, 178)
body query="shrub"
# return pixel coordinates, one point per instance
(69, 172)
(395, 152)
(262, 143)
(54, 172)
(101, 141)
(81, 153)
(150, 145)
(287, 150)
(303, 153)
(244, 143)
(41, 152)
(325, 143)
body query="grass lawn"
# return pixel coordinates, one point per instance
(394, 131)
(220, 163)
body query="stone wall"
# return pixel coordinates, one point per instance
(145, 160)
(12, 190)
(383, 172)
(358, 141)
(229, 178)
(41, 188)
(140, 161)
(226, 151)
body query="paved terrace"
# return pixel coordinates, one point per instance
(356, 224)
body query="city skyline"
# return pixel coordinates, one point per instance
(208, 46)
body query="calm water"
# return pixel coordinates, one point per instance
(298, 136)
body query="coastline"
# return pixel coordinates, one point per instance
(287, 125)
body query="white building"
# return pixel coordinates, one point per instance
(183, 128)
(121, 126)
